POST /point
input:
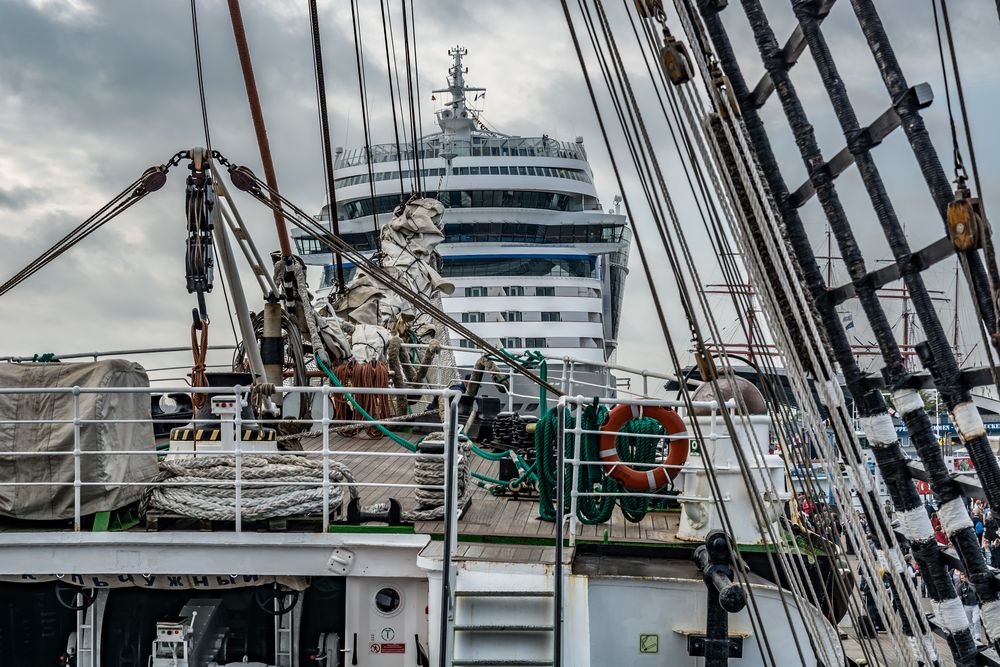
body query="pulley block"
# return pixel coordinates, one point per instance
(675, 59)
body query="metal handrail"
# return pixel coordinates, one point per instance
(448, 396)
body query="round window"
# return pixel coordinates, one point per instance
(388, 600)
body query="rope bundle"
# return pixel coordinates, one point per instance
(591, 509)
(367, 374)
(262, 498)
(430, 470)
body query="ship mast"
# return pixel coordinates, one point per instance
(457, 119)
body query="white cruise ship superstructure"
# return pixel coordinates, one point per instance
(537, 262)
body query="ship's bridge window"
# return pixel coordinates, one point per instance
(508, 232)
(569, 267)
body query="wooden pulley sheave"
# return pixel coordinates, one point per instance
(650, 9)
(722, 93)
(966, 221)
(675, 59)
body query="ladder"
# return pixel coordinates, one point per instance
(85, 637)
(503, 628)
(284, 637)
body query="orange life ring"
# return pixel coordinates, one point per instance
(648, 480)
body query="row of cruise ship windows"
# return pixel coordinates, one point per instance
(551, 201)
(532, 267)
(490, 232)
(519, 290)
(519, 170)
(538, 343)
(535, 316)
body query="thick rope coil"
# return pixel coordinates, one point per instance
(217, 502)
(430, 470)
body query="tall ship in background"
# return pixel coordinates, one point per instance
(537, 263)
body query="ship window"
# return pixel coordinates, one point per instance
(522, 171)
(535, 342)
(475, 291)
(551, 317)
(473, 317)
(545, 291)
(495, 171)
(388, 601)
(510, 342)
(505, 171)
(513, 316)
(531, 171)
(465, 342)
(514, 290)
(473, 171)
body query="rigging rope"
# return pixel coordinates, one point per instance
(150, 181)
(324, 124)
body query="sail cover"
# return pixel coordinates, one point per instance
(55, 471)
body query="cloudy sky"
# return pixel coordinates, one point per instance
(94, 91)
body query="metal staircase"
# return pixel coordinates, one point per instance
(503, 628)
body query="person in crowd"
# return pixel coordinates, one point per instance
(911, 569)
(938, 531)
(869, 598)
(967, 593)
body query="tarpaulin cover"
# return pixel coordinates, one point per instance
(54, 500)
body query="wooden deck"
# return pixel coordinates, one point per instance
(489, 518)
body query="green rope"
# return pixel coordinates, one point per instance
(527, 470)
(638, 450)
(591, 478)
(402, 442)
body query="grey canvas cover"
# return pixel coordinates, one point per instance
(108, 470)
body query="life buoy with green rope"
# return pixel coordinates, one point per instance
(655, 478)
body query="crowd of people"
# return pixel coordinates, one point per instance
(825, 520)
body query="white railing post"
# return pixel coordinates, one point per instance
(450, 492)
(326, 455)
(510, 389)
(645, 384)
(77, 519)
(239, 457)
(574, 493)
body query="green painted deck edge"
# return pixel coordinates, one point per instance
(384, 530)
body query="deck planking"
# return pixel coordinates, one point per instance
(488, 517)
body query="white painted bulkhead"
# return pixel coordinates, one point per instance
(606, 617)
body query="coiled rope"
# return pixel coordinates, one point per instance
(271, 486)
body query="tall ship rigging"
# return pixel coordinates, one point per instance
(335, 489)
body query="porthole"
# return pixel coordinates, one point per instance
(388, 601)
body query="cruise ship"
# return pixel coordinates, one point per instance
(536, 261)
